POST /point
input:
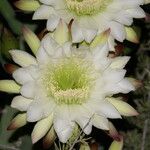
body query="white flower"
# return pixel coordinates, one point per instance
(91, 17)
(63, 86)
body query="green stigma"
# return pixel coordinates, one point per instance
(87, 7)
(68, 82)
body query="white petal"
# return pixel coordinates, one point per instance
(47, 2)
(108, 110)
(124, 108)
(41, 128)
(83, 117)
(100, 122)
(28, 89)
(42, 56)
(67, 49)
(113, 76)
(117, 31)
(34, 112)
(119, 62)
(63, 129)
(77, 35)
(89, 34)
(43, 12)
(126, 86)
(49, 45)
(20, 103)
(22, 58)
(136, 12)
(52, 22)
(62, 123)
(22, 76)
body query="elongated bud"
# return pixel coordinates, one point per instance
(49, 138)
(31, 39)
(9, 86)
(131, 35)
(61, 34)
(27, 5)
(116, 145)
(124, 108)
(19, 121)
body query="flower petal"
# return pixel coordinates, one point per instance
(31, 39)
(124, 108)
(9, 86)
(22, 58)
(107, 109)
(89, 34)
(49, 138)
(19, 121)
(77, 35)
(117, 31)
(31, 5)
(22, 76)
(52, 22)
(100, 122)
(62, 124)
(119, 62)
(21, 103)
(43, 12)
(41, 128)
(28, 89)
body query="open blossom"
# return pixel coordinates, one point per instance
(63, 86)
(90, 17)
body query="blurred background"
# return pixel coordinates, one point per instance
(135, 130)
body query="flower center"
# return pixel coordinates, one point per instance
(87, 7)
(68, 81)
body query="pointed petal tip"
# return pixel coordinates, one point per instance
(17, 122)
(24, 5)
